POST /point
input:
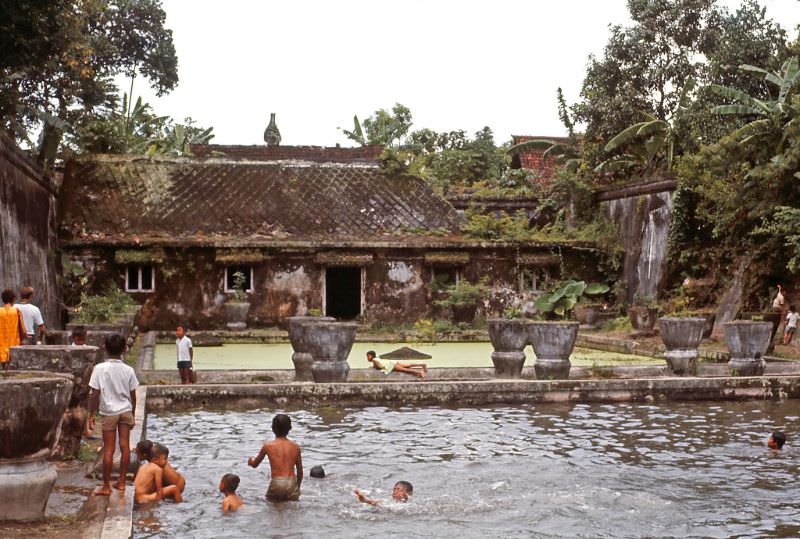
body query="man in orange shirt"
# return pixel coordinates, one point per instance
(12, 328)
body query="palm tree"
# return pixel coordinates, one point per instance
(771, 117)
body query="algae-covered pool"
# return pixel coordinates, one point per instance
(462, 354)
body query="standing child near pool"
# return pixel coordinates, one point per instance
(285, 462)
(228, 485)
(791, 325)
(185, 355)
(387, 366)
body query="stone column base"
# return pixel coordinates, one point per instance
(508, 364)
(330, 371)
(302, 366)
(746, 366)
(682, 362)
(552, 369)
(25, 488)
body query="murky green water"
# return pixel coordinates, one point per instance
(695, 469)
(279, 356)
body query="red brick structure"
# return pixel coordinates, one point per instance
(534, 159)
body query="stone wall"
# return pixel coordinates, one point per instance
(28, 244)
(643, 213)
(190, 288)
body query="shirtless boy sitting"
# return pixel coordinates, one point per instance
(284, 459)
(149, 481)
(170, 476)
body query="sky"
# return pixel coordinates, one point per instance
(315, 63)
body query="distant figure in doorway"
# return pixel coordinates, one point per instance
(228, 485)
(78, 336)
(400, 493)
(285, 462)
(12, 327)
(387, 366)
(185, 355)
(776, 441)
(31, 315)
(791, 325)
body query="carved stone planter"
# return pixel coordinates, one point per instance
(509, 338)
(767, 316)
(33, 405)
(643, 320)
(709, 315)
(552, 343)
(329, 344)
(588, 314)
(298, 327)
(747, 342)
(681, 336)
(79, 361)
(236, 314)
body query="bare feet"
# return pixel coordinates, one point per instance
(120, 485)
(421, 374)
(105, 490)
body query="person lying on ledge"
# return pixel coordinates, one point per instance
(149, 481)
(284, 459)
(400, 493)
(387, 366)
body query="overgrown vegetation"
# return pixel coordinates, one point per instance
(113, 305)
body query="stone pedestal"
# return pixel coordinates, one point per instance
(298, 327)
(79, 361)
(236, 314)
(643, 320)
(681, 336)
(552, 343)
(747, 343)
(509, 338)
(33, 405)
(329, 344)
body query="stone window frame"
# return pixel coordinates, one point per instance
(228, 290)
(139, 280)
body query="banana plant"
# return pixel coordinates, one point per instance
(357, 134)
(563, 298)
(772, 116)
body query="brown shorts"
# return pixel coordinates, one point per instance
(110, 422)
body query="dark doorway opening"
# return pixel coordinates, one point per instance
(343, 292)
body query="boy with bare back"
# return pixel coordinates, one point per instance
(149, 482)
(285, 462)
(387, 366)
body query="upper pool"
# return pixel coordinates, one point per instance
(695, 469)
(279, 356)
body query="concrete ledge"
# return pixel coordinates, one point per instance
(181, 397)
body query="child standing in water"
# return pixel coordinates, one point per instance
(387, 366)
(285, 462)
(776, 441)
(400, 493)
(228, 485)
(149, 481)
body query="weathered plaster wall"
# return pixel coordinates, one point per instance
(643, 213)
(28, 245)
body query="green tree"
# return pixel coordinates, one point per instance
(383, 128)
(58, 58)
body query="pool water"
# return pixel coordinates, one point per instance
(279, 356)
(623, 470)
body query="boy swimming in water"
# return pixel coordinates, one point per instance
(285, 462)
(228, 485)
(400, 493)
(387, 366)
(776, 441)
(149, 481)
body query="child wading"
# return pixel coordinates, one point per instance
(284, 460)
(114, 385)
(228, 485)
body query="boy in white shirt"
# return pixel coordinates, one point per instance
(791, 324)
(185, 355)
(114, 386)
(31, 315)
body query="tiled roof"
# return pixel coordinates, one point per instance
(117, 198)
(316, 154)
(534, 160)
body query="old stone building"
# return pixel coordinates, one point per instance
(308, 229)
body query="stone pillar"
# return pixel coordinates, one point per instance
(329, 344)
(552, 343)
(32, 409)
(747, 342)
(509, 338)
(681, 336)
(298, 327)
(75, 360)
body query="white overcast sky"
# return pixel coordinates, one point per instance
(456, 64)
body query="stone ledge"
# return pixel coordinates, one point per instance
(471, 393)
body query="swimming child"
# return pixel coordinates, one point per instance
(149, 481)
(387, 366)
(776, 441)
(400, 493)
(228, 485)
(284, 459)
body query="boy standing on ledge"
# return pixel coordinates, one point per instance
(284, 459)
(114, 385)
(185, 355)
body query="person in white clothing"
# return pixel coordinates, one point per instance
(114, 386)
(185, 355)
(31, 315)
(791, 325)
